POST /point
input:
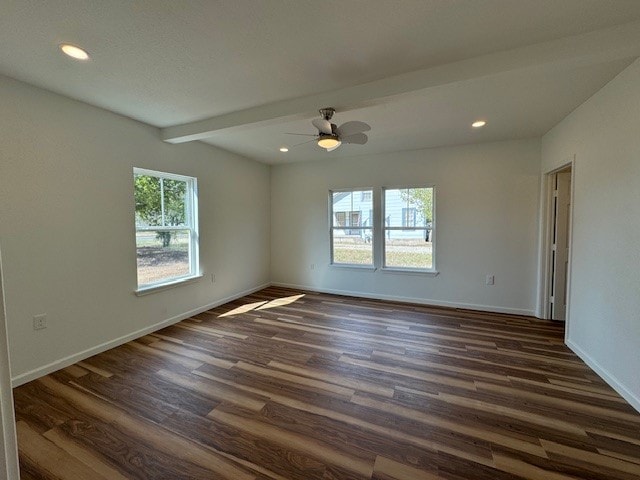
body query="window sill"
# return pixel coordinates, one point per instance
(354, 266)
(165, 286)
(410, 271)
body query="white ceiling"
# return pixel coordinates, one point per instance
(255, 69)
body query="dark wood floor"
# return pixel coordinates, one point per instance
(285, 385)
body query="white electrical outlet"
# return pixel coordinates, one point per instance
(313, 266)
(40, 321)
(490, 280)
(213, 278)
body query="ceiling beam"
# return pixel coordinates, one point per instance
(586, 49)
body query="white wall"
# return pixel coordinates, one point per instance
(487, 214)
(67, 231)
(604, 317)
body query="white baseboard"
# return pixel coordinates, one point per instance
(613, 382)
(421, 301)
(77, 357)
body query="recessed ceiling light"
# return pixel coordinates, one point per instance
(74, 52)
(284, 149)
(478, 124)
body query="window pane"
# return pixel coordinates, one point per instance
(408, 249)
(408, 207)
(175, 205)
(353, 246)
(148, 203)
(162, 255)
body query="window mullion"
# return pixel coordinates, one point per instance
(160, 228)
(162, 201)
(378, 228)
(406, 228)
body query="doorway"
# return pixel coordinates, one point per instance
(559, 214)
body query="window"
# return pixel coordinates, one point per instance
(351, 227)
(408, 228)
(166, 227)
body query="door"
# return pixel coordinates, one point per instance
(560, 245)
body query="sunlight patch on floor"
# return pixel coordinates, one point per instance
(247, 307)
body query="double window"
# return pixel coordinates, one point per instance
(403, 237)
(166, 227)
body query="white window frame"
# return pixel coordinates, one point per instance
(191, 216)
(384, 228)
(370, 228)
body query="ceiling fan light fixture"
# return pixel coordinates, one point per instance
(328, 141)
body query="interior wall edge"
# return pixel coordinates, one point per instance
(9, 444)
(78, 357)
(541, 248)
(603, 373)
(416, 300)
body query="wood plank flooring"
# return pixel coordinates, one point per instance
(291, 385)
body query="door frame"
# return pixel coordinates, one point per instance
(547, 241)
(7, 415)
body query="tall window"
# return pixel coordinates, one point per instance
(408, 228)
(166, 227)
(351, 227)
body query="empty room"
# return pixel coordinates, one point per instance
(296, 240)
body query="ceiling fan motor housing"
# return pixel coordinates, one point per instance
(326, 135)
(327, 113)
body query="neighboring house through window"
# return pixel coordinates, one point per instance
(409, 217)
(166, 227)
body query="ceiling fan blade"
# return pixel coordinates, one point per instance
(358, 138)
(333, 148)
(351, 128)
(303, 134)
(322, 125)
(308, 141)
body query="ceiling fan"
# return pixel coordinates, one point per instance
(330, 136)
